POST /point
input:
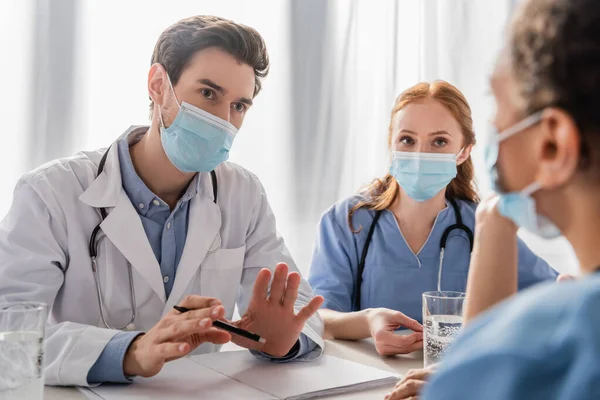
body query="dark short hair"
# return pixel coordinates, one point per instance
(555, 58)
(179, 42)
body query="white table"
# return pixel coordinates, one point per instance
(362, 352)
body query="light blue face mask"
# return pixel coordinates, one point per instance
(196, 141)
(423, 175)
(518, 206)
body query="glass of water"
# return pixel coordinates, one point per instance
(22, 328)
(442, 321)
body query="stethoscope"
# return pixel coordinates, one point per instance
(93, 249)
(458, 225)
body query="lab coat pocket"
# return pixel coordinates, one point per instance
(220, 275)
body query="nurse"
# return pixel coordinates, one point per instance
(543, 343)
(409, 214)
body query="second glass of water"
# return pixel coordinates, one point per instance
(22, 327)
(442, 321)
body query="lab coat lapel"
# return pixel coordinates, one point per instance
(124, 229)
(123, 226)
(202, 236)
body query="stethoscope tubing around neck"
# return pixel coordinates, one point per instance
(93, 252)
(458, 225)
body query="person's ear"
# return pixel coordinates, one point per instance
(465, 154)
(558, 150)
(157, 82)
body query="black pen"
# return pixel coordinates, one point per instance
(228, 327)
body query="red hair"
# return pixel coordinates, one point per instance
(381, 193)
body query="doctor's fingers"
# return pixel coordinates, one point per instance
(310, 309)
(279, 280)
(291, 290)
(213, 335)
(184, 324)
(261, 284)
(181, 329)
(172, 351)
(194, 302)
(216, 312)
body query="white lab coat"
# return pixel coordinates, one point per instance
(44, 255)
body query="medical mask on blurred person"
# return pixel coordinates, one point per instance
(518, 206)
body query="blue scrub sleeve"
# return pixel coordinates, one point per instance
(532, 269)
(490, 377)
(540, 347)
(332, 273)
(486, 361)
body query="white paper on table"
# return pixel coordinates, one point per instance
(238, 374)
(299, 380)
(179, 380)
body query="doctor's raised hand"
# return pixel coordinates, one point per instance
(175, 336)
(271, 313)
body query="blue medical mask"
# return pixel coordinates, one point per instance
(518, 206)
(423, 175)
(196, 141)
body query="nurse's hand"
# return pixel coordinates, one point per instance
(411, 385)
(174, 336)
(382, 324)
(271, 315)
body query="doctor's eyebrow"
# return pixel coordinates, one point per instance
(223, 91)
(213, 85)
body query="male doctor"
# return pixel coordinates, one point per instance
(171, 232)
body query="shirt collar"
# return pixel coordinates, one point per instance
(137, 191)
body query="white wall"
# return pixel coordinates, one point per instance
(16, 18)
(374, 50)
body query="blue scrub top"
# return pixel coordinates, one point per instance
(543, 343)
(394, 277)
